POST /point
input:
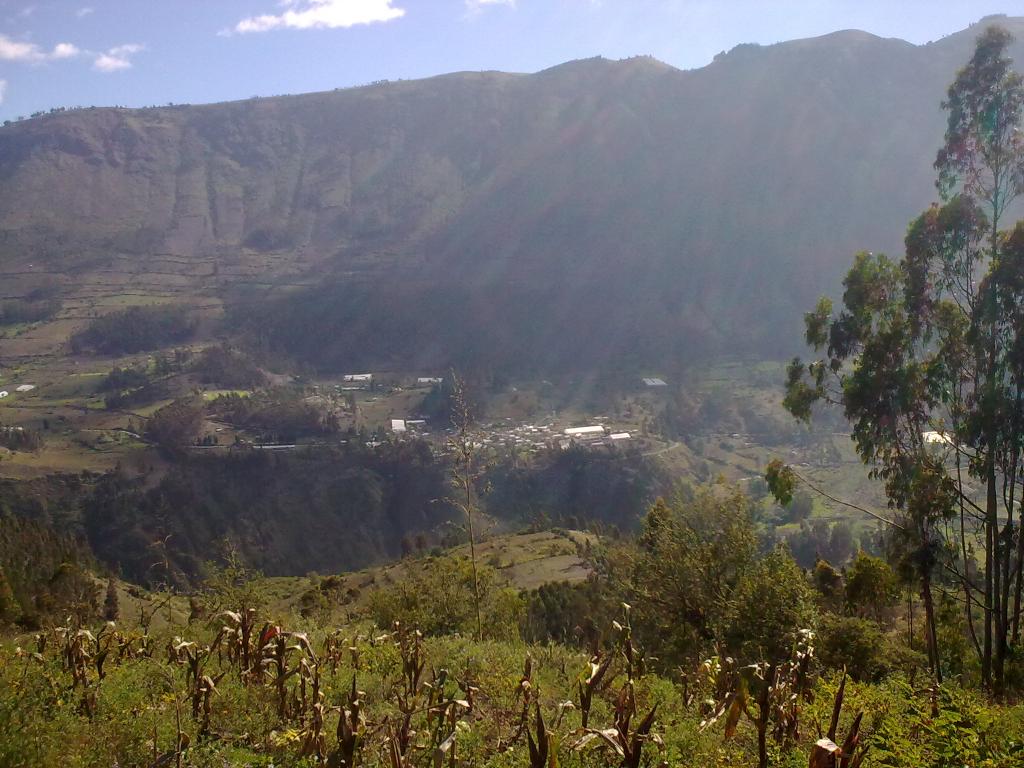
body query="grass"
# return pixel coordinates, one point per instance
(213, 394)
(521, 561)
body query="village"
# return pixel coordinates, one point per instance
(371, 395)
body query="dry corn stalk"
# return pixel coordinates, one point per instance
(826, 753)
(543, 750)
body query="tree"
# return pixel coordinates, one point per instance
(800, 508)
(111, 604)
(465, 473)
(692, 556)
(175, 425)
(771, 604)
(871, 586)
(927, 360)
(827, 581)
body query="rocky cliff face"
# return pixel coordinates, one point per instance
(627, 203)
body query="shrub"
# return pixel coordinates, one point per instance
(856, 644)
(438, 599)
(871, 586)
(771, 603)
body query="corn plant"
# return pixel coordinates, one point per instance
(193, 657)
(351, 727)
(767, 693)
(313, 738)
(590, 684)
(543, 750)
(524, 694)
(826, 753)
(622, 739)
(334, 648)
(82, 651)
(240, 641)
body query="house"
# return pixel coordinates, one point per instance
(428, 381)
(358, 378)
(585, 433)
(655, 382)
(398, 425)
(619, 436)
(25, 388)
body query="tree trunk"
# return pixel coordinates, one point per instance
(931, 638)
(1019, 586)
(990, 542)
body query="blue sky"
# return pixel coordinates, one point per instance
(140, 52)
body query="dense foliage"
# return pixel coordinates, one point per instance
(228, 367)
(281, 415)
(136, 329)
(242, 683)
(325, 509)
(924, 357)
(14, 311)
(577, 488)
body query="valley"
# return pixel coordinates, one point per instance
(488, 418)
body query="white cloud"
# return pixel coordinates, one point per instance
(321, 14)
(83, 12)
(30, 53)
(64, 51)
(117, 58)
(3, 90)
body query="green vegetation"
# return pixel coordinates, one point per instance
(575, 487)
(227, 367)
(20, 439)
(686, 622)
(176, 425)
(736, 679)
(282, 414)
(16, 311)
(924, 358)
(136, 329)
(120, 379)
(46, 569)
(327, 509)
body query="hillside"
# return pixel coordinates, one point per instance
(591, 215)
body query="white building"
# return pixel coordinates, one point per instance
(428, 381)
(4, 394)
(585, 433)
(358, 380)
(398, 425)
(25, 388)
(655, 382)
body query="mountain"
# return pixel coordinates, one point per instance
(596, 214)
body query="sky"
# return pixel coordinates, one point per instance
(142, 52)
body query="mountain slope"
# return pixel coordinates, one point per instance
(597, 213)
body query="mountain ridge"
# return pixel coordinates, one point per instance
(658, 214)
